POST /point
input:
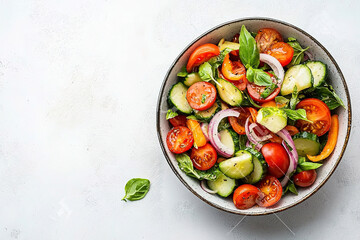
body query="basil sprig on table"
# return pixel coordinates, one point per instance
(250, 57)
(186, 165)
(136, 189)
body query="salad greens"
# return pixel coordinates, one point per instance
(136, 189)
(171, 114)
(298, 51)
(186, 165)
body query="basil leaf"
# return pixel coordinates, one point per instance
(291, 187)
(282, 101)
(294, 98)
(205, 72)
(171, 114)
(309, 166)
(183, 72)
(259, 77)
(248, 51)
(299, 114)
(298, 52)
(186, 165)
(136, 189)
(210, 174)
(268, 90)
(216, 62)
(328, 96)
(290, 39)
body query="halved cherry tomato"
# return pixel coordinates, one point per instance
(271, 189)
(201, 95)
(199, 137)
(204, 157)
(277, 158)
(255, 92)
(267, 37)
(233, 70)
(317, 112)
(179, 120)
(179, 139)
(202, 54)
(238, 123)
(245, 196)
(305, 178)
(283, 52)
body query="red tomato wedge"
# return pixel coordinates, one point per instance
(266, 37)
(179, 120)
(271, 189)
(317, 112)
(283, 52)
(204, 157)
(201, 95)
(245, 196)
(277, 158)
(179, 139)
(305, 178)
(255, 92)
(238, 123)
(202, 54)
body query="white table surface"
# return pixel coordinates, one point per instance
(79, 82)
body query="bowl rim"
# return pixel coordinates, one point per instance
(348, 110)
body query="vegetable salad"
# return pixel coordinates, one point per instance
(252, 117)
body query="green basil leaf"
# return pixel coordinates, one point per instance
(249, 52)
(291, 39)
(292, 188)
(206, 72)
(268, 90)
(183, 72)
(298, 56)
(171, 114)
(309, 165)
(210, 174)
(328, 96)
(282, 101)
(136, 189)
(299, 114)
(259, 77)
(294, 98)
(186, 165)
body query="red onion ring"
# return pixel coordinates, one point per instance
(275, 66)
(205, 129)
(205, 188)
(258, 145)
(258, 129)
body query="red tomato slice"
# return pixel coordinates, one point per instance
(317, 112)
(277, 158)
(204, 157)
(266, 37)
(241, 84)
(233, 70)
(305, 178)
(238, 123)
(283, 52)
(245, 196)
(202, 54)
(201, 95)
(271, 189)
(179, 139)
(255, 92)
(179, 120)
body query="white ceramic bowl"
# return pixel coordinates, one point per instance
(228, 30)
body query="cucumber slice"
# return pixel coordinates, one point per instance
(229, 93)
(230, 139)
(192, 78)
(206, 115)
(319, 72)
(177, 98)
(306, 144)
(229, 45)
(223, 185)
(272, 118)
(299, 75)
(260, 167)
(238, 167)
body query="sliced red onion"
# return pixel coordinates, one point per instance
(205, 129)
(308, 55)
(293, 155)
(258, 145)
(205, 188)
(275, 66)
(258, 129)
(214, 134)
(248, 144)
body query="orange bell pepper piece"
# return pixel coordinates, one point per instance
(199, 137)
(331, 142)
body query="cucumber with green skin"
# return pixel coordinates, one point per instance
(177, 98)
(223, 185)
(229, 93)
(239, 166)
(230, 138)
(306, 144)
(207, 115)
(299, 76)
(260, 167)
(319, 72)
(192, 78)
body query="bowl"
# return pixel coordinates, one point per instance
(335, 77)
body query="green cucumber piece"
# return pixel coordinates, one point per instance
(299, 75)
(177, 98)
(306, 144)
(207, 115)
(238, 167)
(192, 78)
(223, 185)
(260, 167)
(230, 139)
(229, 93)
(319, 72)
(272, 118)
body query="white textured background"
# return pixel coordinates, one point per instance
(79, 82)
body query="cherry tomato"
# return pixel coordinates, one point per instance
(202, 54)
(277, 158)
(255, 92)
(179, 120)
(271, 190)
(233, 70)
(241, 84)
(267, 37)
(317, 112)
(245, 196)
(201, 95)
(283, 52)
(179, 139)
(236, 38)
(204, 157)
(238, 123)
(305, 178)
